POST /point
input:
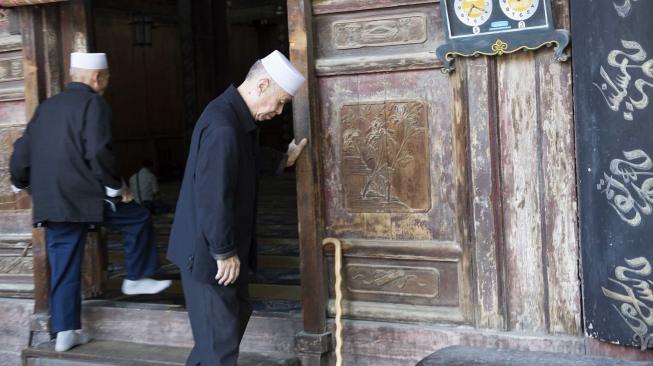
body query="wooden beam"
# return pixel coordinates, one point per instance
(41, 272)
(75, 30)
(13, 3)
(526, 290)
(34, 78)
(52, 50)
(309, 180)
(485, 188)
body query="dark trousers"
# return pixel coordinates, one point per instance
(65, 243)
(218, 317)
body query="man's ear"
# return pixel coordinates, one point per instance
(95, 77)
(262, 86)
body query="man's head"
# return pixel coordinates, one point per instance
(269, 85)
(91, 69)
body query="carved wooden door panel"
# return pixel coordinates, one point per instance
(393, 161)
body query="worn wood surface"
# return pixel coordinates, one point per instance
(378, 343)
(308, 168)
(94, 266)
(75, 32)
(32, 42)
(41, 272)
(12, 3)
(101, 352)
(559, 201)
(52, 62)
(481, 356)
(373, 40)
(484, 188)
(522, 185)
(395, 165)
(368, 343)
(15, 254)
(339, 6)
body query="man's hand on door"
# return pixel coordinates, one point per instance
(294, 151)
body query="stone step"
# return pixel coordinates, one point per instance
(14, 238)
(174, 294)
(17, 286)
(102, 352)
(477, 356)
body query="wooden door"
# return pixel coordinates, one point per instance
(393, 160)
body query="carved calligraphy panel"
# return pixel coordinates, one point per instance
(381, 31)
(393, 280)
(400, 282)
(613, 83)
(385, 156)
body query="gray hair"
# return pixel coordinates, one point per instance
(256, 71)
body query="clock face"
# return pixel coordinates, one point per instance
(474, 12)
(519, 9)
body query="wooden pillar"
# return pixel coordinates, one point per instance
(75, 32)
(31, 23)
(314, 342)
(40, 320)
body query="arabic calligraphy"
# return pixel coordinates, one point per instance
(624, 7)
(627, 189)
(633, 292)
(620, 92)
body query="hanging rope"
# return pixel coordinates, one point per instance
(338, 289)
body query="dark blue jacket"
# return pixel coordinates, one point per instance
(65, 157)
(216, 211)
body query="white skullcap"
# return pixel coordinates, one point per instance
(89, 61)
(283, 72)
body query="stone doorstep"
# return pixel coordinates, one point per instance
(101, 352)
(478, 356)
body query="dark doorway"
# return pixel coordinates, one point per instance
(169, 59)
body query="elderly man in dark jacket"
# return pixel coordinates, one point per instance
(65, 160)
(215, 222)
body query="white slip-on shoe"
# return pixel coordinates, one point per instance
(69, 339)
(144, 286)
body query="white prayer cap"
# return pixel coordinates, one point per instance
(283, 72)
(89, 61)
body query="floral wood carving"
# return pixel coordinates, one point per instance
(385, 157)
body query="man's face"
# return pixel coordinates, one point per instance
(271, 100)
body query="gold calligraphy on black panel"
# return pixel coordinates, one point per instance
(631, 289)
(626, 82)
(628, 186)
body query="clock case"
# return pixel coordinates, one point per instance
(500, 42)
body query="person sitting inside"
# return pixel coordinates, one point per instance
(144, 185)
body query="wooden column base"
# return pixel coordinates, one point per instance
(313, 349)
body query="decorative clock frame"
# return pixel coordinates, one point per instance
(498, 27)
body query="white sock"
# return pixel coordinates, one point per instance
(144, 286)
(68, 339)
